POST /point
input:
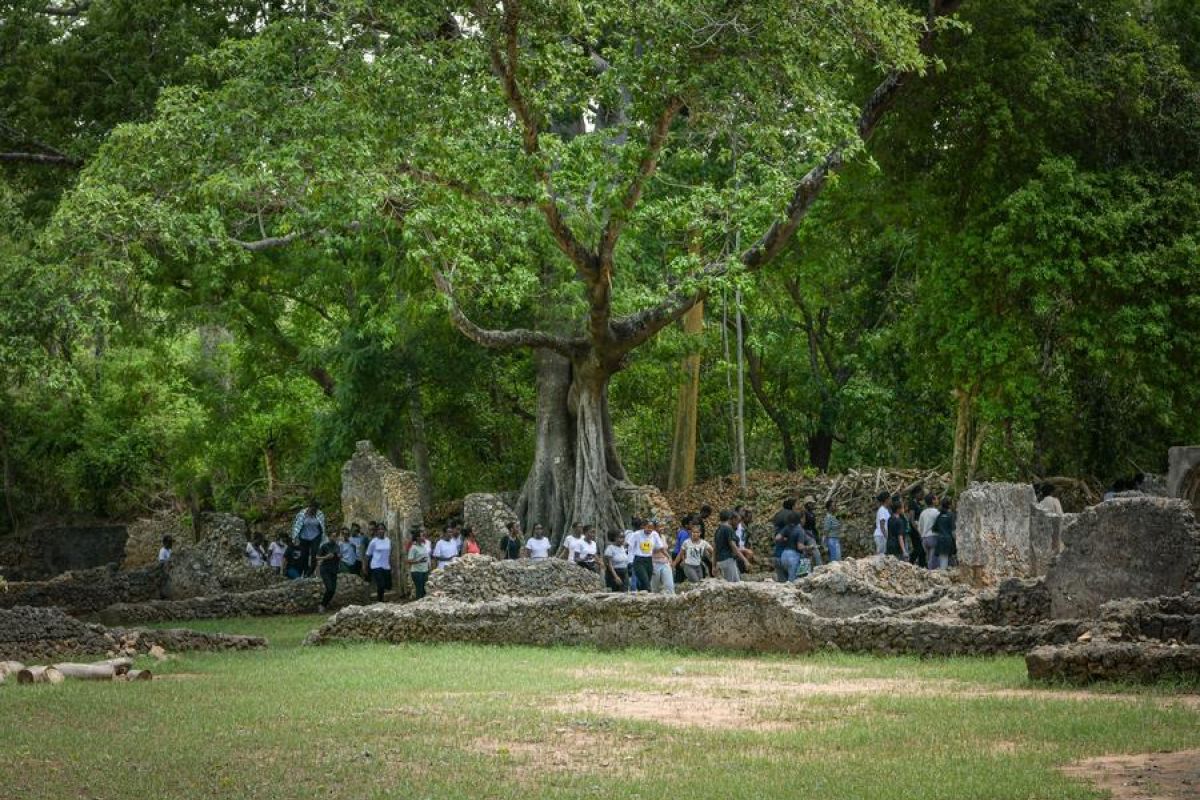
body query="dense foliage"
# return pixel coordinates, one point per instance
(219, 223)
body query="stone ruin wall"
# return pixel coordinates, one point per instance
(373, 489)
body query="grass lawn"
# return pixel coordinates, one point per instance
(450, 721)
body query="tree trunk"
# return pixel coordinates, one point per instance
(420, 444)
(741, 391)
(594, 502)
(962, 432)
(683, 443)
(549, 488)
(40, 675)
(270, 462)
(820, 449)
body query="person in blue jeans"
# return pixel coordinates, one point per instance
(788, 541)
(831, 526)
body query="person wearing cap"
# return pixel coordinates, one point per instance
(419, 560)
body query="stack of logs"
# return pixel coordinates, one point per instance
(112, 669)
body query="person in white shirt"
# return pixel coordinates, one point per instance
(692, 554)
(663, 579)
(164, 561)
(925, 522)
(379, 560)
(275, 554)
(256, 556)
(616, 563)
(882, 515)
(570, 542)
(445, 551)
(646, 542)
(1049, 503)
(584, 552)
(537, 546)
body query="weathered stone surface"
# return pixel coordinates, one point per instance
(1136, 547)
(145, 538)
(86, 591)
(45, 634)
(489, 515)
(300, 596)
(477, 578)
(1012, 602)
(885, 573)
(993, 531)
(217, 562)
(1045, 538)
(759, 617)
(876, 585)
(646, 502)
(373, 489)
(1085, 662)
(51, 550)
(1183, 474)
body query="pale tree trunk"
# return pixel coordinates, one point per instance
(271, 465)
(595, 471)
(741, 393)
(683, 443)
(969, 435)
(420, 444)
(549, 488)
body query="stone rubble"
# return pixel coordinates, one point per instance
(480, 578)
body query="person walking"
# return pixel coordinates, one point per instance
(943, 527)
(445, 551)
(328, 559)
(510, 542)
(662, 580)
(929, 515)
(897, 544)
(616, 563)
(644, 542)
(308, 528)
(726, 552)
(791, 540)
(420, 556)
(882, 515)
(348, 554)
(293, 561)
(692, 554)
(275, 554)
(379, 561)
(831, 526)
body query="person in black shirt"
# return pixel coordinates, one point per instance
(510, 542)
(293, 560)
(943, 526)
(809, 526)
(784, 519)
(897, 544)
(727, 553)
(327, 568)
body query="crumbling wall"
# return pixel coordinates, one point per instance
(216, 562)
(993, 531)
(476, 578)
(49, 550)
(646, 502)
(46, 634)
(1045, 538)
(1183, 474)
(1086, 662)
(301, 596)
(86, 591)
(1133, 547)
(373, 489)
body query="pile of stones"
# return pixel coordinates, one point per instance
(479, 578)
(47, 634)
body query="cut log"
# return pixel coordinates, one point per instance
(89, 672)
(40, 675)
(138, 675)
(10, 668)
(121, 665)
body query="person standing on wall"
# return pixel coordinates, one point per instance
(309, 529)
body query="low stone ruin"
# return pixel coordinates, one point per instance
(86, 591)
(879, 585)
(1183, 475)
(300, 596)
(1136, 547)
(49, 550)
(47, 634)
(489, 516)
(1131, 640)
(993, 531)
(473, 579)
(374, 490)
(216, 562)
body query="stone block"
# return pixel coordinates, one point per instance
(1135, 547)
(993, 531)
(1183, 474)
(373, 489)
(1045, 538)
(489, 515)
(479, 578)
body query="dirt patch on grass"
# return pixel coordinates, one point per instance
(570, 749)
(1146, 776)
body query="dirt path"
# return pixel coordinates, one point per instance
(1146, 776)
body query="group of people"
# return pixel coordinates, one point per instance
(915, 529)
(647, 557)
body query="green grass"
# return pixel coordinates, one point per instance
(450, 721)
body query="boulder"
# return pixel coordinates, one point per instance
(374, 490)
(1183, 474)
(489, 515)
(1045, 538)
(1135, 547)
(478, 578)
(993, 531)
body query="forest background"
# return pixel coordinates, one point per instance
(236, 237)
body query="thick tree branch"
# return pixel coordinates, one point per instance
(498, 339)
(809, 187)
(76, 8)
(50, 159)
(504, 65)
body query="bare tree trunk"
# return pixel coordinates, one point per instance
(420, 444)
(962, 433)
(270, 462)
(820, 449)
(683, 444)
(6, 468)
(741, 391)
(594, 502)
(549, 489)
